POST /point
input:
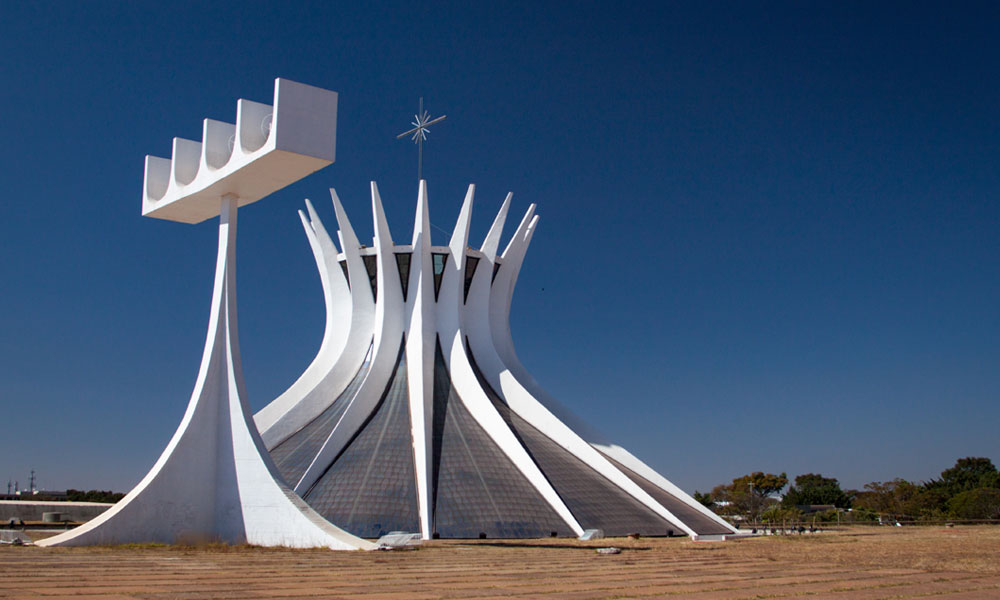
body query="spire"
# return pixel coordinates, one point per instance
(316, 224)
(382, 237)
(347, 236)
(492, 241)
(518, 238)
(422, 221)
(460, 237)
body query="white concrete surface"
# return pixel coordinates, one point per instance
(480, 319)
(215, 480)
(269, 147)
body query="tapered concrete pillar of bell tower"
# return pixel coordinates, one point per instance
(215, 480)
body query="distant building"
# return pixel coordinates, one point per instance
(51, 494)
(815, 508)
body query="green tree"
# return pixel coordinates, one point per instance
(981, 503)
(776, 513)
(704, 499)
(763, 484)
(751, 494)
(812, 488)
(901, 499)
(886, 497)
(969, 473)
(93, 496)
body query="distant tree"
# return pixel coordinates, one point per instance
(704, 499)
(41, 497)
(928, 504)
(969, 473)
(900, 498)
(813, 488)
(776, 513)
(751, 494)
(886, 497)
(724, 501)
(861, 515)
(94, 496)
(763, 484)
(981, 503)
(827, 516)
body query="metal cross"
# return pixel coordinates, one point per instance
(421, 121)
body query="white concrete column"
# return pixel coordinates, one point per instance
(215, 480)
(420, 349)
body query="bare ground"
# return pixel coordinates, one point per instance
(963, 562)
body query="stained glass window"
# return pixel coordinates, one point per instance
(343, 267)
(294, 455)
(471, 262)
(370, 489)
(439, 260)
(691, 516)
(596, 502)
(403, 262)
(477, 489)
(371, 265)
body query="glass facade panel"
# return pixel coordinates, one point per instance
(371, 265)
(471, 262)
(596, 502)
(477, 489)
(294, 455)
(496, 267)
(403, 262)
(343, 267)
(370, 489)
(691, 516)
(439, 260)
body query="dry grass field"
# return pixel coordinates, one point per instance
(916, 562)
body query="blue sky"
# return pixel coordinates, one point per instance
(769, 233)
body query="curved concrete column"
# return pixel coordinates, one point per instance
(350, 326)
(477, 327)
(421, 340)
(460, 298)
(214, 481)
(450, 308)
(388, 335)
(292, 406)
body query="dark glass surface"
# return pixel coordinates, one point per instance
(595, 501)
(439, 260)
(343, 267)
(477, 489)
(496, 267)
(370, 489)
(371, 265)
(691, 516)
(294, 455)
(403, 262)
(471, 262)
